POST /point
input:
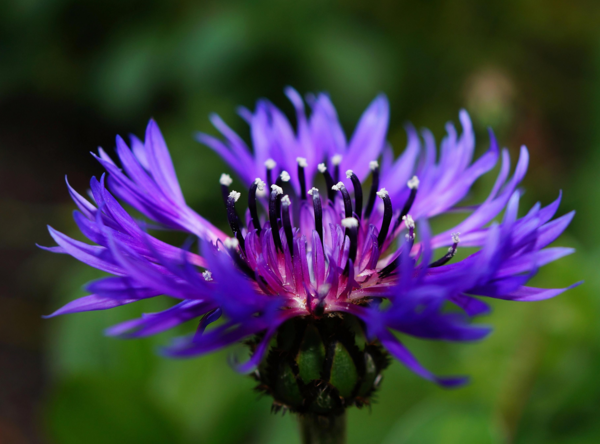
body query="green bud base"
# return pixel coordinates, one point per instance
(321, 366)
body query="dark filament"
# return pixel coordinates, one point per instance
(329, 182)
(347, 199)
(273, 205)
(407, 207)
(302, 179)
(318, 212)
(445, 258)
(358, 194)
(287, 225)
(373, 192)
(387, 218)
(252, 206)
(233, 220)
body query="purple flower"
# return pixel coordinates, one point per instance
(307, 239)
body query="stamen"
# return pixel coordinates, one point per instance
(347, 200)
(270, 164)
(351, 225)
(232, 217)
(328, 181)
(287, 224)
(374, 166)
(207, 275)
(336, 160)
(225, 180)
(301, 176)
(260, 186)
(285, 176)
(314, 192)
(413, 184)
(387, 217)
(231, 243)
(273, 204)
(358, 194)
(450, 254)
(410, 224)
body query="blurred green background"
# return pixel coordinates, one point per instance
(73, 74)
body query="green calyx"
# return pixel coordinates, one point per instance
(321, 366)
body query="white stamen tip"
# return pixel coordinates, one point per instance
(285, 176)
(383, 193)
(225, 180)
(350, 222)
(349, 174)
(285, 200)
(337, 159)
(207, 275)
(455, 238)
(321, 167)
(408, 221)
(235, 195)
(373, 165)
(270, 164)
(231, 242)
(413, 183)
(301, 162)
(313, 190)
(260, 185)
(277, 189)
(338, 186)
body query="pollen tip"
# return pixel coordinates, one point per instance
(349, 174)
(337, 159)
(338, 186)
(301, 161)
(373, 165)
(235, 195)
(260, 185)
(231, 242)
(408, 221)
(207, 275)
(270, 164)
(285, 200)
(277, 189)
(285, 176)
(350, 222)
(413, 183)
(313, 190)
(322, 168)
(456, 237)
(225, 179)
(383, 193)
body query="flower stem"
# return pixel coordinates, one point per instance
(316, 429)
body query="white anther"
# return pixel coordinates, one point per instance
(338, 186)
(285, 176)
(207, 275)
(413, 183)
(301, 162)
(383, 193)
(408, 221)
(349, 174)
(277, 189)
(270, 164)
(231, 242)
(373, 165)
(322, 167)
(260, 185)
(337, 159)
(349, 222)
(285, 200)
(313, 190)
(225, 180)
(235, 195)
(455, 238)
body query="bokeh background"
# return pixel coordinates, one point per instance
(73, 74)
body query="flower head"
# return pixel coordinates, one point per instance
(306, 242)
